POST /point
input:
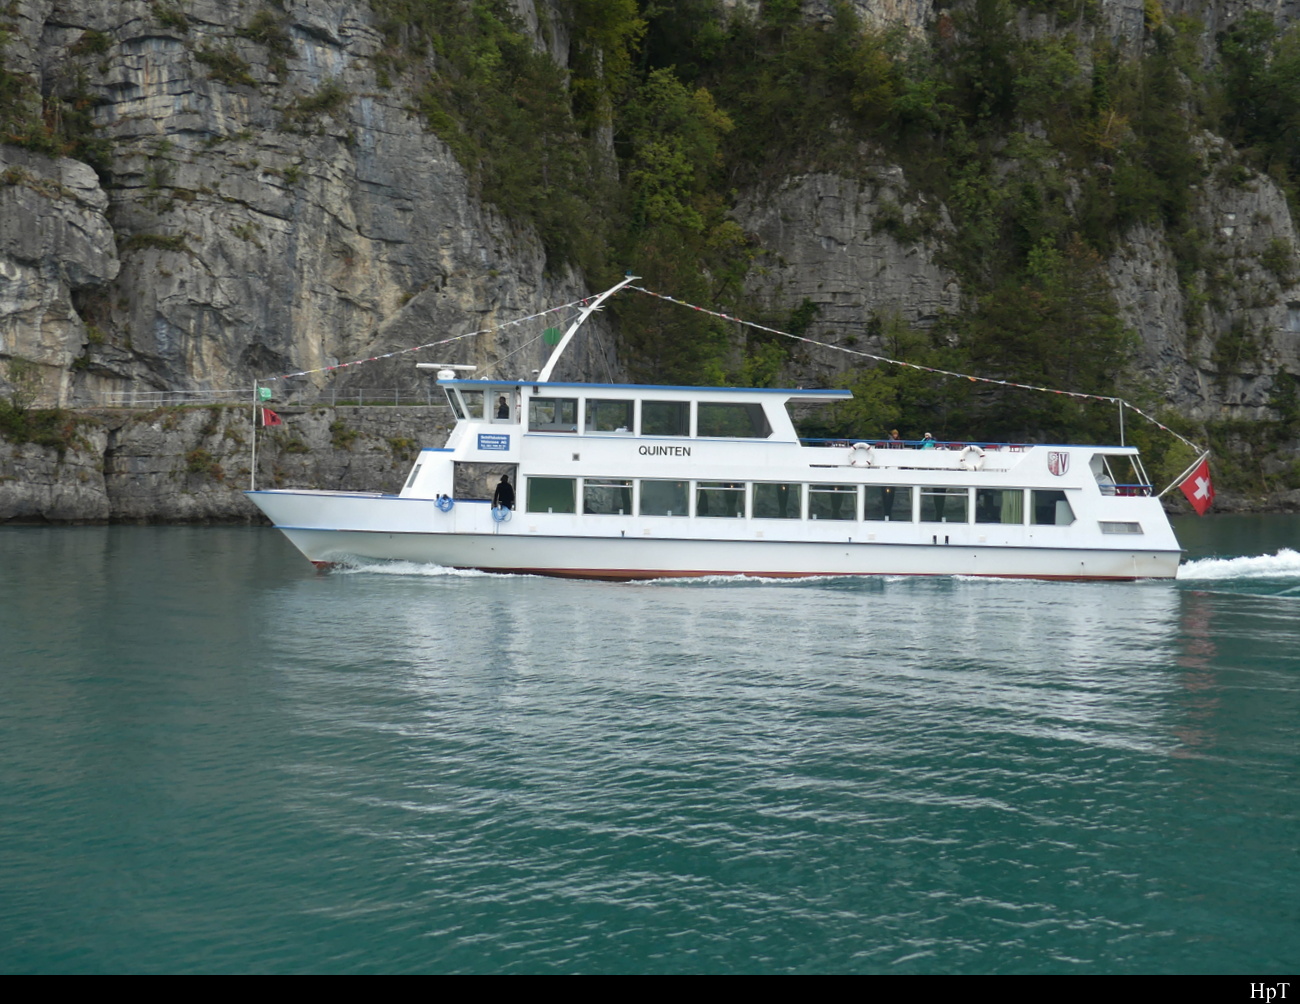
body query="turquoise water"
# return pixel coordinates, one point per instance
(214, 759)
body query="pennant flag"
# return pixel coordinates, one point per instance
(1198, 488)
(270, 418)
(551, 336)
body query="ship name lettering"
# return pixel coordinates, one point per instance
(664, 451)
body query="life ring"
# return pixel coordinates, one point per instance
(861, 455)
(445, 502)
(501, 513)
(972, 458)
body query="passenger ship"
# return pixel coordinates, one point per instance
(638, 482)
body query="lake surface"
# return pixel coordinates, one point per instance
(214, 759)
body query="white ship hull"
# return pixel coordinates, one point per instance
(330, 528)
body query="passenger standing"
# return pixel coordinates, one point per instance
(504, 496)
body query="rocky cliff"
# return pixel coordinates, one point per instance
(258, 188)
(193, 464)
(264, 205)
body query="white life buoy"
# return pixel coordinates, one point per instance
(972, 458)
(861, 455)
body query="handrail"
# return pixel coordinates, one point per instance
(912, 444)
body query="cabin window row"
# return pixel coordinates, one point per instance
(614, 416)
(780, 500)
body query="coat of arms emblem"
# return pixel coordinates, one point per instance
(1057, 462)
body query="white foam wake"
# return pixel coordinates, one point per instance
(369, 567)
(1283, 565)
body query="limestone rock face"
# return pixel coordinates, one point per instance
(877, 13)
(856, 249)
(37, 484)
(55, 241)
(193, 464)
(1216, 356)
(860, 249)
(276, 208)
(270, 203)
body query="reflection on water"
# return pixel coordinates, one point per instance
(213, 758)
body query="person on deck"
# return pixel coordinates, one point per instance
(927, 442)
(504, 496)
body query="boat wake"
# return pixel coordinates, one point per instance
(1275, 576)
(405, 568)
(740, 579)
(1285, 564)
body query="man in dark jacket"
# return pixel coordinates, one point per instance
(505, 494)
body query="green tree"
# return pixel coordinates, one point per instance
(679, 237)
(1056, 325)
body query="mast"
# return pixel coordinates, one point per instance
(545, 375)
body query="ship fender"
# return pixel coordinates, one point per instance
(444, 502)
(972, 458)
(861, 455)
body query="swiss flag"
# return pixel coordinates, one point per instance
(1198, 487)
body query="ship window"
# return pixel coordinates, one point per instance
(453, 399)
(999, 505)
(1050, 508)
(501, 407)
(476, 480)
(414, 474)
(553, 414)
(833, 502)
(550, 494)
(944, 505)
(1120, 527)
(664, 498)
(719, 498)
(733, 421)
(606, 497)
(608, 416)
(889, 502)
(473, 403)
(665, 418)
(778, 501)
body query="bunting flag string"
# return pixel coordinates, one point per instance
(887, 360)
(917, 366)
(428, 345)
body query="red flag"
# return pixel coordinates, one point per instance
(270, 418)
(1198, 488)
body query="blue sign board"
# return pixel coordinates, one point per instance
(493, 441)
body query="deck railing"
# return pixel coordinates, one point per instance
(915, 444)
